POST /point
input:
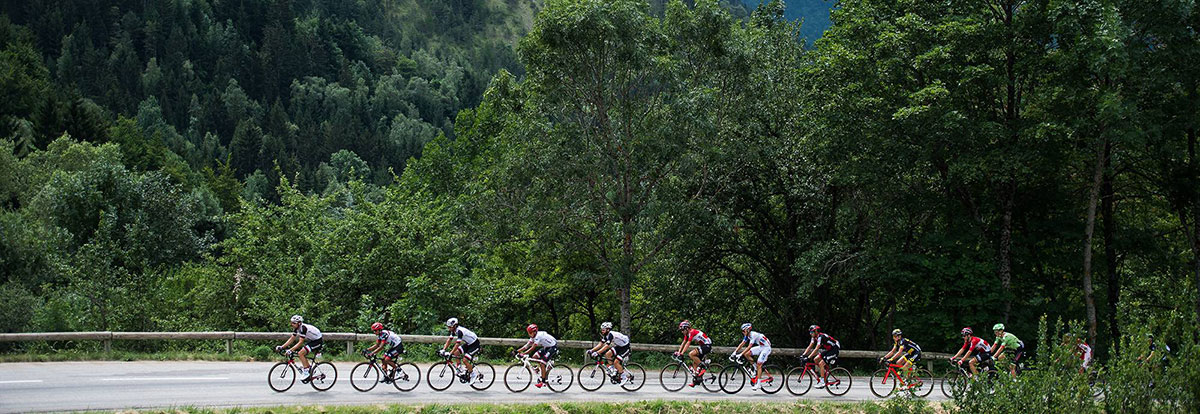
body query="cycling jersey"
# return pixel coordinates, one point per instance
(308, 332)
(615, 339)
(696, 336)
(391, 338)
(907, 346)
(464, 335)
(826, 342)
(756, 339)
(1085, 354)
(976, 345)
(543, 339)
(1010, 342)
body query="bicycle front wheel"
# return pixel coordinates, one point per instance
(324, 375)
(731, 379)
(634, 378)
(406, 377)
(952, 383)
(281, 377)
(799, 381)
(838, 382)
(771, 379)
(483, 376)
(517, 377)
(441, 375)
(674, 377)
(592, 377)
(364, 376)
(560, 378)
(881, 384)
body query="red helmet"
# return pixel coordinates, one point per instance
(531, 328)
(377, 327)
(814, 328)
(966, 331)
(684, 325)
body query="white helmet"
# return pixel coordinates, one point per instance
(297, 319)
(451, 322)
(745, 326)
(606, 325)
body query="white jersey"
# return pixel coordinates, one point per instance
(308, 332)
(390, 337)
(757, 339)
(543, 339)
(464, 335)
(615, 338)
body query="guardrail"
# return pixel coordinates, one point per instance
(351, 338)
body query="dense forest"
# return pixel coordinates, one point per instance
(222, 164)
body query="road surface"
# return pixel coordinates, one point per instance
(108, 385)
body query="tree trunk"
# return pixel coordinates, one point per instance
(626, 315)
(1107, 205)
(1088, 231)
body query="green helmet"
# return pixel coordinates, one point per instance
(998, 327)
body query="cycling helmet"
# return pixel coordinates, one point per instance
(745, 326)
(452, 322)
(998, 327)
(531, 328)
(377, 327)
(606, 325)
(897, 332)
(967, 331)
(814, 328)
(685, 324)
(297, 319)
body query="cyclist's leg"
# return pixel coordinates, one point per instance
(695, 356)
(973, 361)
(303, 356)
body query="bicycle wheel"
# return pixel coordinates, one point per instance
(838, 382)
(771, 380)
(406, 377)
(1097, 384)
(710, 378)
(324, 375)
(799, 381)
(517, 377)
(440, 376)
(364, 376)
(483, 376)
(952, 383)
(881, 384)
(592, 377)
(560, 378)
(674, 377)
(635, 377)
(731, 379)
(921, 383)
(281, 377)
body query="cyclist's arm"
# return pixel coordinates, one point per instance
(448, 340)
(375, 348)
(684, 347)
(888, 356)
(597, 349)
(457, 345)
(959, 353)
(299, 343)
(522, 350)
(289, 342)
(739, 347)
(999, 350)
(604, 347)
(810, 350)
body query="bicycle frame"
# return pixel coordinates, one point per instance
(894, 372)
(687, 364)
(530, 362)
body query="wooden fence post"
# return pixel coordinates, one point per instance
(350, 347)
(228, 346)
(107, 346)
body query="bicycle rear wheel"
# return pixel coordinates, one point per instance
(921, 383)
(560, 378)
(710, 378)
(517, 377)
(881, 384)
(281, 377)
(799, 381)
(732, 379)
(441, 376)
(771, 380)
(483, 376)
(592, 377)
(635, 377)
(324, 375)
(838, 382)
(406, 377)
(674, 377)
(364, 376)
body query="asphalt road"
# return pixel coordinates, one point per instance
(101, 385)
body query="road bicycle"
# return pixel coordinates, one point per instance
(366, 375)
(282, 375)
(442, 374)
(593, 375)
(733, 377)
(519, 375)
(959, 377)
(885, 381)
(800, 379)
(678, 374)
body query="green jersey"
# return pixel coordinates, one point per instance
(1010, 341)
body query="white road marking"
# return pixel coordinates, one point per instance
(165, 379)
(20, 381)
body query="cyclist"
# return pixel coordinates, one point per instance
(1007, 346)
(756, 344)
(546, 354)
(308, 341)
(904, 351)
(974, 351)
(704, 346)
(614, 345)
(1081, 349)
(1154, 350)
(391, 340)
(466, 343)
(823, 349)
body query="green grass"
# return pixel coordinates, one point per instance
(644, 407)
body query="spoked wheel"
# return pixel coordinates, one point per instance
(635, 379)
(441, 376)
(731, 379)
(674, 377)
(1097, 384)
(881, 384)
(560, 378)
(710, 378)
(952, 383)
(799, 381)
(517, 377)
(364, 376)
(838, 382)
(281, 377)
(771, 380)
(406, 377)
(324, 375)
(921, 384)
(592, 377)
(483, 376)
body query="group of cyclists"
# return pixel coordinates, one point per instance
(614, 347)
